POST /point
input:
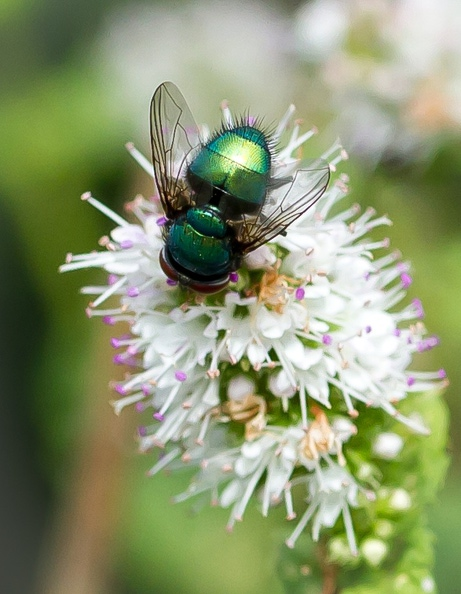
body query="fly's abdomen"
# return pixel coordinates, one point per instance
(237, 162)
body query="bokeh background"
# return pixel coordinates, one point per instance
(77, 514)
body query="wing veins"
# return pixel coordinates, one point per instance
(260, 229)
(174, 135)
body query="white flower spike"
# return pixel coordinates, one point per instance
(264, 385)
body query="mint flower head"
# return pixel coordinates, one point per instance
(286, 388)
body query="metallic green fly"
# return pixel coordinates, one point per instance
(220, 196)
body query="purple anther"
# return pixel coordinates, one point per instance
(171, 282)
(115, 342)
(368, 329)
(428, 344)
(133, 292)
(112, 279)
(161, 221)
(397, 332)
(120, 389)
(145, 389)
(118, 359)
(109, 320)
(410, 380)
(126, 244)
(442, 373)
(158, 416)
(327, 339)
(434, 341)
(406, 280)
(132, 350)
(142, 431)
(180, 376)
(139, 407)
(233, 277)
(251, 120)
(419, 308)
(299, 293)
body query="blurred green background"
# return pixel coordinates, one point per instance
(76, 511)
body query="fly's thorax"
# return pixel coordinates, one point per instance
(199, 244)
(233, 170)
(207, 220)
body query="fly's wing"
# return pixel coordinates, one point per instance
(283, 206)
(174, 136)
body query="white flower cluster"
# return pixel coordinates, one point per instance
(390, 72)
(260, 384)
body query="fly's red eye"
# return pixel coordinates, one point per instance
(167, 269)
(208, 288)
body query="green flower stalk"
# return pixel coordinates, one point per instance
(292, 386)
